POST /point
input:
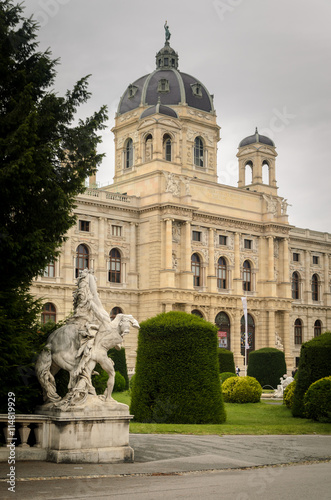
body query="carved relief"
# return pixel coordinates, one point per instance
(174, 261)
(271, 203)
(176, 227)
(172, 184)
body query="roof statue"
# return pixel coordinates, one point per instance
(167, 32)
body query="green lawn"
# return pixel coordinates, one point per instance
(250, 418)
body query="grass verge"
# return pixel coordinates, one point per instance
(250, 418)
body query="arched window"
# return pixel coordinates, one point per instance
(48, 313)
(295, 286)
(128, 153)
(265, 172)
(222, 321)
(247, 276)
(248, 172)
(82, 259)
(198, 313)
(196, 269)
(198, 152)
(317, 328)
(250, 334)
(114, 312)
(148, 147)
(315, 287)
(298, 331)
(114, 272)
(167, 147)
(221, 273)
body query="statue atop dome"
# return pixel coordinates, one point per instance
(167, 32)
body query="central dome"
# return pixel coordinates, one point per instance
(167, 85)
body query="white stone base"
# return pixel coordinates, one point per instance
(97, 432)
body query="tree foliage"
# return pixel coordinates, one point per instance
(45, 157)
(177, 375)
(267, 365)
(225, 360)
(314, 364)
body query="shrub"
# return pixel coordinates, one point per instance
(226, 375)
(177, 374)
(241, 390)
(289, 394)
(120, 383)
(314, 364)
(225, 360)
(131, 383)
(267, 365)
(118, 356)
(317, 400)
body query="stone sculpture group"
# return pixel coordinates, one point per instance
(79, 344)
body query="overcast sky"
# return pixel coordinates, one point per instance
(267, 62)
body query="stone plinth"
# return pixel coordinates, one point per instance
(97, 432)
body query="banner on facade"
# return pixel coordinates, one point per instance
(244, 302)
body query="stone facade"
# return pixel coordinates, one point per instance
(166, 205)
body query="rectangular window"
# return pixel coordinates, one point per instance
(248, 244)
(196, 235)
(49, 271)
(222, 240)
(296, 257)
(116, 230)
(315, 259)
(84, 225)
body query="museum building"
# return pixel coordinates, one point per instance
(166, 236)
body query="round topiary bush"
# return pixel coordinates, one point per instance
(120, 383)
(177, 374)
(289, 394)
(314, 364)
(267, 365)
(225, 360)
(241, 390)
(317, 400)
(226, 375)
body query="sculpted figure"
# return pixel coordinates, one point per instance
(81, 343)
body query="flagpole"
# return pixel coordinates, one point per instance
(244, 302)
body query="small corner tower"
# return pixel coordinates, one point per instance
(257, 158)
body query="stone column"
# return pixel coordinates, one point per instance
(271, 329)
(168, 244)
(271, 259)
(286, 340)
(167, 274)
(237, 283)
(327, 294)
(307, 291)
(186, 250)
(100, 261)
(211, 278)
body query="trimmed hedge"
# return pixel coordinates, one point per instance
(118, 356)
(241, 390)
(225, 360)
(317, 400)
(314, 364)
(289, 394)
(267, 365)
(177, 374)
(225, 375)
(120, 384)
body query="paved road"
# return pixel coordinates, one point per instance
(188, 467)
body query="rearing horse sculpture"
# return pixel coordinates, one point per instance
(81, 343)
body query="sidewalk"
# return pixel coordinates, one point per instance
(157, 454)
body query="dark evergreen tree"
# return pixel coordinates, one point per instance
(44, 160)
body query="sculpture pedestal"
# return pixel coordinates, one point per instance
(97, 432)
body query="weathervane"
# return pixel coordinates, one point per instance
(167, 32)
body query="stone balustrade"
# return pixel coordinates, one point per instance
(31, 436)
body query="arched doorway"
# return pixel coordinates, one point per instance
(222, 321)
(198, 313)
(251, 335)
